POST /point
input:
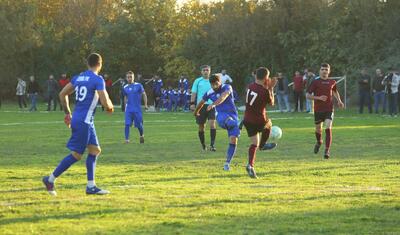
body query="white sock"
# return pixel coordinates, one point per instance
(52, 178)
(91, 183)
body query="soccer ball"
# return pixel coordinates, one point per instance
(276, 133)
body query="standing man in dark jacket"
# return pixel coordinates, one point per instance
(298, 88)
(379, 91)
(282, 92)
(52, 92)
(33, 91)
(364, 83)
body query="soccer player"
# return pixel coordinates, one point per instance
(323, 89)
(227, 116)
(89, 88)
(133, 93)
(200, 87)
(259, 94)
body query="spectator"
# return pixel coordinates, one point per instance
(122, 83)
(225, 78)
(379, 91)
(62, 83)
(21, 91)
(109, 84)
(309, 77)
(298, 88)
(33, 91)
(282, 93)
(157, 86)
(364, 83)
(391, 82)
(52, 92)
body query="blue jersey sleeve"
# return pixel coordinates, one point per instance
(226, 88)
(73, 80)
(206, 97)
(100, 84)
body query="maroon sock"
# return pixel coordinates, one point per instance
(319, 137)
(264, 137)
(252, 154)
(328, 139)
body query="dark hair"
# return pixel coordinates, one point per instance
(261, 73)
(94, 59)
(325, 65)
(214, 78)
(204, 66)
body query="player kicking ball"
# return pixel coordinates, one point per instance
(133, 95)
(321, 91)
(227, 116)
(89, 87)
(259, 94)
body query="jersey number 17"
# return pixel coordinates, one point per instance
(251, 95)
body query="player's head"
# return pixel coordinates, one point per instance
(130, 77)
(64, 75)
(51, 76)
(223, 71)
(205, 70)
(262, 73)
(105, 76)
(297, 73)
(324, 70)
(215, 81)
(32, 78)
(378, 72)
(94, 62)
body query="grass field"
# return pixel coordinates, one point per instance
(166, 186)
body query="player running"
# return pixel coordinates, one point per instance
(133, 94)
(89, 88)
(323, 89)
(227, 116)
(259, 94)
(200, 86)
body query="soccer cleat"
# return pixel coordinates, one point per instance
(96, 191)
(226, 167)
(127, 141)
(241, 125)
(268, 146)
(141, 139)
(49, 186)
(212, 148)
(327, 155)
(203, 148)
(251, 172)
(316, 148)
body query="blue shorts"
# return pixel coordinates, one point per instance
(229, 122)
(83, 134)
(133, 117)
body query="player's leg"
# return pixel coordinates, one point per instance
(328, 135)
(230, 123)
(138, 121)
(255, 139)
(201, 121)
(318, 131)
(265, 132)
(213, 128)
(128, 124)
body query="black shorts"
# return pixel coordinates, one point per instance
(254, 129)
(204, 115)
(322, 116)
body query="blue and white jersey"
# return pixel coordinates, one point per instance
(157, 85)
(133, 93)
(228, 106)
(183, 84)
(86, 84)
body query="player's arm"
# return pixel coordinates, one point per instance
(144, 97)
(314, 97)
(64, 100)
(220, 100)
(105, 100)
(198, 107)
(337, 97)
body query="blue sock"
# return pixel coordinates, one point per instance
(64, 165)
(140, 128)
(90, 166)
(231, 151)
(127, 128)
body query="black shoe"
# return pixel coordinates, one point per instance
(212, 148)
(241, 125)
(327, 155)
(251, 172)
(316, 148)
(203, 148)
(141, 140)
(268, 146)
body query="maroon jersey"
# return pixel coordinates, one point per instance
(257, 98)
(323, 87)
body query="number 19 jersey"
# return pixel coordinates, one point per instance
(86, 84)
(257, 98)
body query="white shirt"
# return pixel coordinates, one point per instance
(225, 78)
(395, 83)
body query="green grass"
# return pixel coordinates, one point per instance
(166, 186)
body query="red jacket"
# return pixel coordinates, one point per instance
(298, 83)
(63, 82)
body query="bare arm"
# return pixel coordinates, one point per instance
(105, 100)
(144, 96)
(192, 100)
(199, 106)
(220, 100)
(65, 92)
(313, 97)
(337, 97)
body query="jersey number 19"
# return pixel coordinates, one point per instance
(80, 93)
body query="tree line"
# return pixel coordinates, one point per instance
(170, 39)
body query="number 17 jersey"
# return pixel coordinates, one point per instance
(257, 98)
(86, 84)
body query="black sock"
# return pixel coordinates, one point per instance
(213, 134)
(201, 137)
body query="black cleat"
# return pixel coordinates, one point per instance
(241, 125)
(213, 149)
(316, 148)
(251, 172)
(327, 155)
(268, 146)
(141, 140)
